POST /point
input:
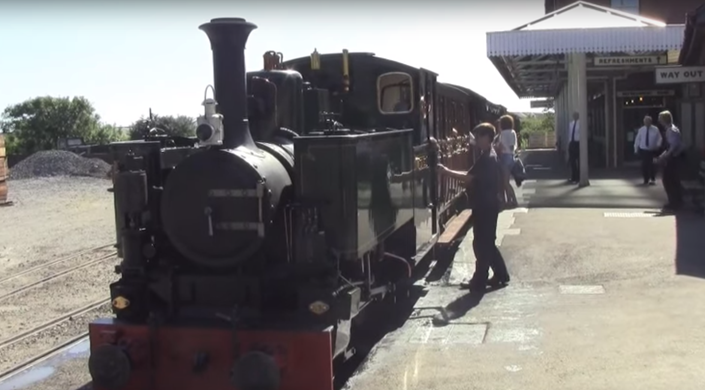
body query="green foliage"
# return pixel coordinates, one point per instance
(181, 125)
(38, 123)
(536, 123)
(106, 134)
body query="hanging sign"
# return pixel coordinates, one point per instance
(680, 74)
(630, 61)
(542, 103)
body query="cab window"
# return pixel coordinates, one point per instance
(394, 93)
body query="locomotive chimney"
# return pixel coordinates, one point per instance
(228, 37)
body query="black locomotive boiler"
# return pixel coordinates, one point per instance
(307, 194)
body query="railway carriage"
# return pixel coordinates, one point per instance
(309, 193)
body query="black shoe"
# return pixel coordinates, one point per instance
(652, 183)
(496, 282)
(474, 286)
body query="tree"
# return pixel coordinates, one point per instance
(181, 125)
(106, 134)
(548, 120)
(541, 123)
(38, 123)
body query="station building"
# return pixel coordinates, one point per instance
(613, 62)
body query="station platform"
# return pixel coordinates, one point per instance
(606, 294)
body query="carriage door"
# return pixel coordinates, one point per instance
(427, 109)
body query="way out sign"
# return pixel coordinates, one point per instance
(680, 74)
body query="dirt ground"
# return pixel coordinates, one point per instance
(52, 218)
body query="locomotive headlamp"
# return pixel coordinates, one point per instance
(204, 132)
(209, 130)
(318, 307)
(120, 303)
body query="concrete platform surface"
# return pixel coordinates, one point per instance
(599, 299)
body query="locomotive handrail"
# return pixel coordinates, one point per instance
(349, 135)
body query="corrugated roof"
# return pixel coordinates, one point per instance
(582, 14)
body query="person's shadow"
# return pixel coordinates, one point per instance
(460, 306)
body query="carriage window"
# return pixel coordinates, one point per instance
(395, 93)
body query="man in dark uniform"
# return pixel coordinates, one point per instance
(485, 179)
(574, 148)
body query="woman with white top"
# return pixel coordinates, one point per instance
(506, 148)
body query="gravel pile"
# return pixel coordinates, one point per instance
(59, 163)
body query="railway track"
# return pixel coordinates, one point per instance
(41, 357)
(55, 261)
(49, 352)
(69, 325)
(18, 337)
(13, 285)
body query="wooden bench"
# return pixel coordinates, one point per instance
(454, 228)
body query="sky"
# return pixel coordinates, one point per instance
(129, 56)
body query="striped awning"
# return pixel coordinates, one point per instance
(531, 58)
(603, 40)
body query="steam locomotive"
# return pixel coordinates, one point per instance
(307, 194)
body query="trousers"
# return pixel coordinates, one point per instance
(486, 252)
(671, 182)
(574, 160)
(648, 170)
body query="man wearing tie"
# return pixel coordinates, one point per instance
(574, 148)
(646, 144)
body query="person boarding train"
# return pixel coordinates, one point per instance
(484, 183)
(646, 145)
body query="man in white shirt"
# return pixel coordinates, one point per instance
(647, 144)
(573, 135)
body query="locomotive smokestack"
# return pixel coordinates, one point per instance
(228, 37)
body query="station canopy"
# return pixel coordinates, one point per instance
(693, 45)
(531, 58)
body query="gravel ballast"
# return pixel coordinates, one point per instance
(50, 163)
(53, 217)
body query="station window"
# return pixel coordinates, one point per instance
(395, 93)
(631, 6)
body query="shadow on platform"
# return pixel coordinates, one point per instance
(690, 245)
(613, 188)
